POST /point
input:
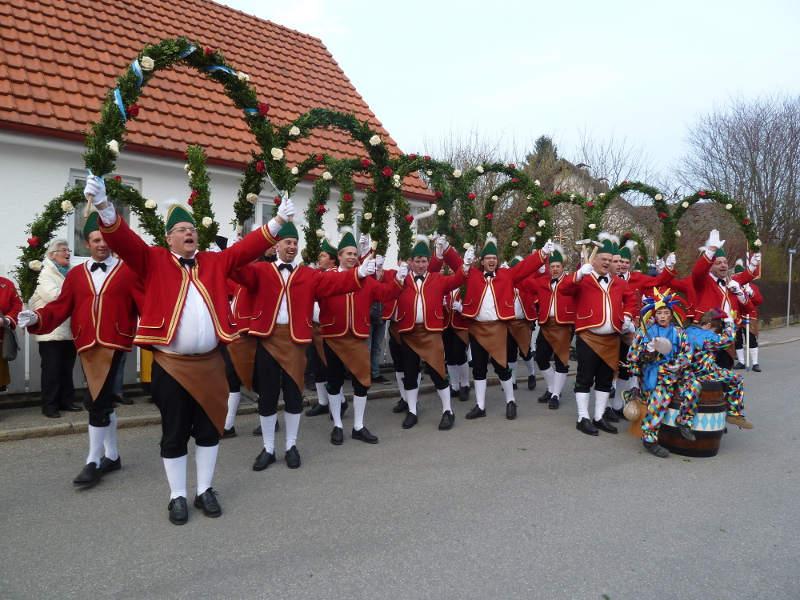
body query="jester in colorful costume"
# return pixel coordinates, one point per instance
(714, 331)
(660, 356)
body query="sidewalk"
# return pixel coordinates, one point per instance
(28, 422)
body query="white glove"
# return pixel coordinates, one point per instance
(469, 256)
(363, 244)
(548, 247)
(96, 188)
(755, 260)
(457, 306)
(734, 286)
(366, 268)
(651, 346)
(379, 260)
(504, 266)
(583, 271)
(286, 209)
(671, 260)
(26, 318)
(660, 265)
(402, 272)
(713, 240)
(672, 368)
(748, 290)
(543, 268)
(441, 246)
(627, 326)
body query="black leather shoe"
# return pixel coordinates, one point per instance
(511, 410)
(229, 433)
(605, 426)
(263, 460)
(107, 465)
(178, 511)
(257, 430)
(463, 393)
(88, 476)
(655, 449)
(71, 408)
(738, 365)
(531, 382)
(454, 393)
(610, 416)
(122, 399)
(364, 435)
(400, 407)
(448, 418)
(585, 426)
(318, 409)
(756, 368)
(686, 432)
(52, 414)
(337, 436)
(514, 386)
(476, 413)
(553, 403)
(410, 420)
(293, 458)
(545, 398)
(208, 502)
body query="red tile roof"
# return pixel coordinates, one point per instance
(54, 75)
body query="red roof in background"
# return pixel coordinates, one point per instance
(54, 75)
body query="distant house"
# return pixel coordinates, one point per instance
(58, 62)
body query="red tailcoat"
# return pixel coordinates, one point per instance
(502, 284)
(304, 286)
(644, 284)
(339, 315)
(166, 282)
(106, 318)
(453, 318)
(709, 294)
(756, 300)
(434, 288)
(539, 287)
(10, 303)
(242, 306)
(590, 301)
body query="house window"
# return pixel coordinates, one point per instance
(75, 221)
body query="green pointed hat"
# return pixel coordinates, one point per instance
(610, 244)
(625, 252)
(178, 214)
(421, 248)
(490, 247)
(637, 266)
(288, 231)
(556, 257)
(720, 253)
(515, 261)
(738, 267)
(348, 240)
(326, 246)
(91, 224)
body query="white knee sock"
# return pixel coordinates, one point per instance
(753, 356)
(205, 458)
(322, 394)
(268, 432)
(548, 379)
(463, 375)
(444, 396)
(559, 379)
(622, 387)
(96, 437)
(359, 407)
(633, 382)
(508, 388)
(292, 426)
(582, 398)
(176, 476)
(399, 376)
(600, 403)
(336, 401)
(480, 392)
(512, 366)
(740, 355)
(411, 398)
(452, 370)
(530, 365)
(233, 406)
(110, 441)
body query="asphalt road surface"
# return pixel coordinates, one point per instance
(495, 509)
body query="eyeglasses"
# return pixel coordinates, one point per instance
(184, 230)
(63, 251)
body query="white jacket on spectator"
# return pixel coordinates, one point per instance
(48, 289)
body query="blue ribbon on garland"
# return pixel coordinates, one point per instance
(120, 105)
(216, 68)
(187, 52)
(137, 70)
(251, 111)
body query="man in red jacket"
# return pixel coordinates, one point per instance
(751, 329)
(283, 305)
(101, 298)
(185, 317)
(604, 308)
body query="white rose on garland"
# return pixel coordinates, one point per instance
(757, 243)
(441, 212)
(207, 221)
(113, 145)
(396, 177)
(457, 173)
(429, 173)
(252, 198)
(514, 244)
(327, 176)
(659, 197)
(601, 195)
(389, 209)
(320, 233)
(473, 222)
(150, 204)
(243, 77)
(479, 169)
(367, 216)
(536, 183)
(66, 206)
(467, 245)
(375, 140)
(398, 184)
(592, 226)
(677, 233)
(295, 170)
(542, 223)
(340, 217)
(529, 209)
(495, 198)
(294, 131)
(147, 63)
(276, 153)
(186, 167)
(728, 206)
(572, 196)
(685, 204)
(190, 174)
(35, 265)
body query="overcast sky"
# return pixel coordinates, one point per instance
(514, 70)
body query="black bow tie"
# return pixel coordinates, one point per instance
(554, 281)
(721, 282)
(186, 262)
(288, 266)
(101, 266)
(419, 277)
(602, 278)
(488, 275)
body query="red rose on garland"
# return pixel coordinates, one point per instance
(701, 194)
(260, 166)
(133, 111)
(590, 204)
(512, 165)
(263, 109)
(558, 192)
(515, 180)
(33, 241)
(522, 225)
(624, 183)
(319, 157)
(472, 196)
(545, 203)
(489, 216)
(320, 209)
(437, 193)
(374, 189)
(208, 51)
(276, 200)
(348, 198)
(412, 156)
(190, 202)
(746, 221)
(364, 163)
(628, 234)
(426, 157)
(386, 171)
(194, 194)
(454, 226)
(409, 218)
(662, 215)
(117, 178)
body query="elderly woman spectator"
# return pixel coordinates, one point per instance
(10, 305)
(56, 348)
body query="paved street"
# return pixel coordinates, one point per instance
(492, 509)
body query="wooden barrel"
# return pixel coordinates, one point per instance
(709, 423)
